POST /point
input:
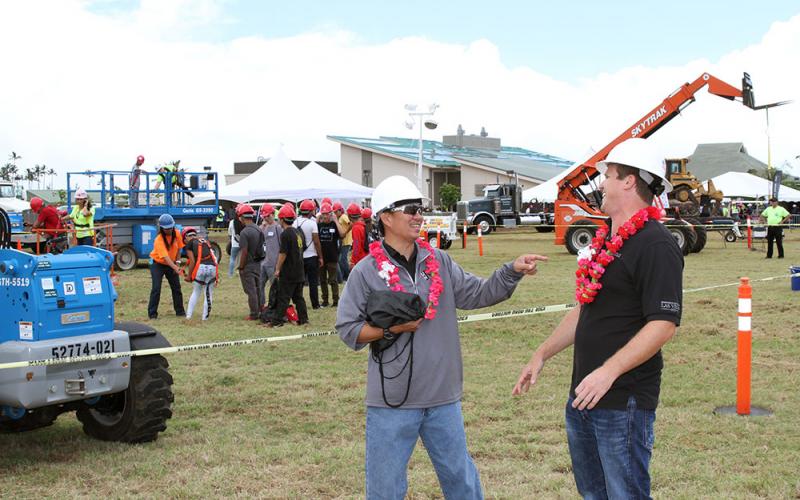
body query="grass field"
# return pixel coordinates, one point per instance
(287, 419)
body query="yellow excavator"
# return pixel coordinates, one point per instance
(689, 195)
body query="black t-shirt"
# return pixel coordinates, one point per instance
(329, 241)
(644, 283)
(292, 247)
(194, 246)
(252, 238)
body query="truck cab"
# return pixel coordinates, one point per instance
(499, 202)
(17, 210)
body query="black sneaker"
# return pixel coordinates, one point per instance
(325, 304)
(336, 303)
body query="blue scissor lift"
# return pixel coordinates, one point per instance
(134, 214)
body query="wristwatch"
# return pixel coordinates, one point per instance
(387, 334)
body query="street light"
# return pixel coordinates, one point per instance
(429, 123)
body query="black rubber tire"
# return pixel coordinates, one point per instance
(730, 236)
(701, 235)
(486, 222)
(137, 414)
(126, 258)
(217, 250)
(546, 229)
(682, 233)
(447, 243)
(579, 235)
(34, 419)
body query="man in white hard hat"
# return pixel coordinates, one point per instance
(414, 382)
(629, 289)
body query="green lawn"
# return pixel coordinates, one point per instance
(287, 419)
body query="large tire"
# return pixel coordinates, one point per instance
(683, 234)
(33, 419)
(447, 243)
(546, 229)
(701, 234)
(137, 414)
(126, 258)
(484, 223)
(579, 235)
(730, 236)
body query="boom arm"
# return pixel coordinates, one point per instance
(651, 122)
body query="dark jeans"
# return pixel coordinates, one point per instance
(86, 240)
(157, 273)
(285, 291)
(611, 450)
(344, 261)
(327, 276)
(311, 266)
(250, 277)
(774, 233)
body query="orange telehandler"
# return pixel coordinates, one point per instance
(578, 215)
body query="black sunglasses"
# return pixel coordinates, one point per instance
(409, 209)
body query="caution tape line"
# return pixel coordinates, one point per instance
(263, 340)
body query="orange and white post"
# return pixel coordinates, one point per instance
(749, 234)
(464, 237)
(480, 242)
(744, 347)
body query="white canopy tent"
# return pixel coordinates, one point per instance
(320, 182)
(744, 185)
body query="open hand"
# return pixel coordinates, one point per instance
(526, 264)
(592, 388)
(527, 378)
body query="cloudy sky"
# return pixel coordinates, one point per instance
(92, 84)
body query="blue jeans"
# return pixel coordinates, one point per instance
(234, 260)
(611, 450)
(344, 262)
(391, 436)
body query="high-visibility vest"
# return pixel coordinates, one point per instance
(221, 215)
(169, 169)
(84, 224)
(201, 243)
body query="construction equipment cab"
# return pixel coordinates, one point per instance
(577, 214)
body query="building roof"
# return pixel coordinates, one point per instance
(524, 162)
(711, 160)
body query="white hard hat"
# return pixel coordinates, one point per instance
(81, 194)
(392, 190)
(641, 154)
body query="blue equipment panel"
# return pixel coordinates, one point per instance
(55, 296)
(143, 237)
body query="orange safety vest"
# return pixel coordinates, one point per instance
(203, 243)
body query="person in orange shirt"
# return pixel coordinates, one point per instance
(164, 257)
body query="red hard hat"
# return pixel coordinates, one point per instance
(353, 209)
(326, 208)
(244, 209)
(366, 213)
(36, 203)
(327, 200)
(337, 205)
(307, 206)
(139, 160)
(286, 212)
(187, 230)
(266, 209)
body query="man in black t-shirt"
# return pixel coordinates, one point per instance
(330, 235)
(289, 272)
(251, 253)
(618, 332)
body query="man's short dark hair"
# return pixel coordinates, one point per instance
(642, 189)
(773, 199)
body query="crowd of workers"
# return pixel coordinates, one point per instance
(276, 251)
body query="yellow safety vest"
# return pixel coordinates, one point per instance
(84, 224)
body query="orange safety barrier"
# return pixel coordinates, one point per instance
(438, 239)
(480, 242)
(744, 348)
(19, 245)
(464, 237)
(749, 235)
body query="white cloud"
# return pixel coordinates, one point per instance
(81, 90)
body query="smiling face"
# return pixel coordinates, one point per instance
(401, 225)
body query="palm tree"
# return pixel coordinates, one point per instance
(52, 173)
(30, 176)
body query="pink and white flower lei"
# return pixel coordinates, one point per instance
(593, 260)
(390, 274)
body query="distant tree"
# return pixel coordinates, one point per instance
(450, 195)
(51, 173)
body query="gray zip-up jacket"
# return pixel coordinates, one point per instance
(437, 367)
